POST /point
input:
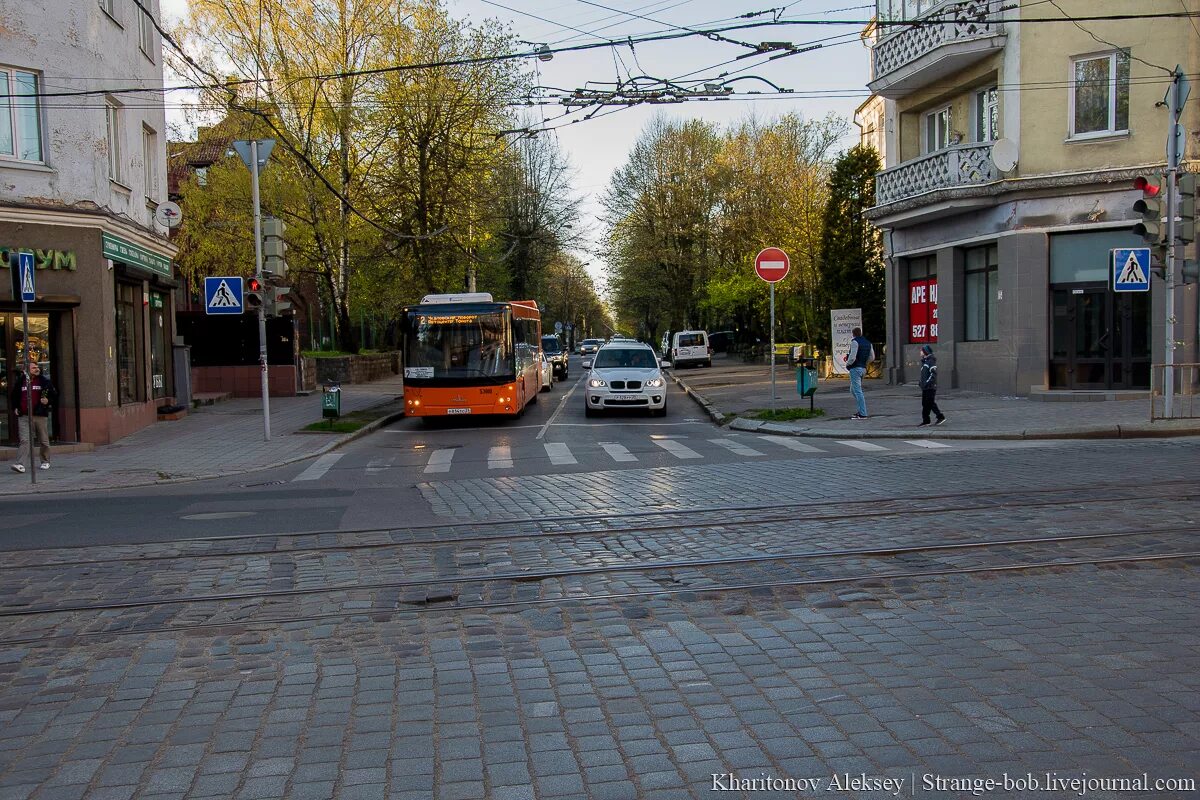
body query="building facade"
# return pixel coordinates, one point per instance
(1011, 143)
(82, 171)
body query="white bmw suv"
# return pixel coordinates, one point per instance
(625, 374)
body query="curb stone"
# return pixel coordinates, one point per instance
(704, 403)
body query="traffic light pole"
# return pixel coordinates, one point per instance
(258, 273)
(1175, 105)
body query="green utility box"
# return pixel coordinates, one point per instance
(331, 401)
(806, 378)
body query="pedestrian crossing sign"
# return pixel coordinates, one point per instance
(1131, 269)
(223, 295)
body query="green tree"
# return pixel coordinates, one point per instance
(851, 257)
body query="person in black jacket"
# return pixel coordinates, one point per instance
(44, 396)
(928, 384)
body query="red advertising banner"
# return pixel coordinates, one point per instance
(922, 311)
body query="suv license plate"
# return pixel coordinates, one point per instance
(626, 397)
(458, 411)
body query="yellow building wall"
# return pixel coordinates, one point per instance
(954, 90)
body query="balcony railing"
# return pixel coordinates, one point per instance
(967, 23)
(961, 165)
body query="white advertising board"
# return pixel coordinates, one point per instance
(844, 321)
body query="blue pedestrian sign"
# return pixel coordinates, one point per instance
(1131, 269)
(223, 295)
(25, 277)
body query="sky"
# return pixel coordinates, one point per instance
(598, 146)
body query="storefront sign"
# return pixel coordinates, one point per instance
(118, 249)
(43, 259)
(922, 311)
(844, 321)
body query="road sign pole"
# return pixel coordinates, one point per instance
(772, 349)
(1175, 105)
(258, 273)
(28, 389)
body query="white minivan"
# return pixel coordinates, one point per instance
(690, 347)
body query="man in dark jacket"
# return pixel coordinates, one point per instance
(43, 394)
(928, 384)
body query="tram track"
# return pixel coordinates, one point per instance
(697, 520)
(500, 591)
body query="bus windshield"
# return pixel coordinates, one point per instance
(445, 344)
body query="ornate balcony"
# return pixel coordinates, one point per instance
(961, 165)
(915, 56)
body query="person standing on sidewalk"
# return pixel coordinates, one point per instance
(861, 353)
(43, 394)
(928, 384)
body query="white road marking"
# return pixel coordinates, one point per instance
(559, 453)
(792, 444)
(500, 458)
(857, 445)
(677, 449)
(619, 452)
(736, 447)
(380, 464)
(927, 443)
(318, 468)
(439, 460)
(561, 405)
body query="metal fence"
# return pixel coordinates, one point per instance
(1185, 400)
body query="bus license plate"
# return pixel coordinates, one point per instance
(458, 411)
(626, 397)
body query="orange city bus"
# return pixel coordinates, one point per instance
(466, 354)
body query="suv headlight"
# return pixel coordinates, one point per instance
(596, 383)
(655, 383)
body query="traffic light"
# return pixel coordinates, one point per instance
(274, 249)
(14, 272)
(252, 297)
(1185, 228)
(1150, 207)
(276, 302)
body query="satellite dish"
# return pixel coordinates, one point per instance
(1004, 154)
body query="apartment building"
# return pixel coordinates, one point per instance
(82, 171)
(1010, 146)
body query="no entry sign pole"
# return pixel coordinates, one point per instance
(772, 265)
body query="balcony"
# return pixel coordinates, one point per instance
(916, 56)
(954, 167)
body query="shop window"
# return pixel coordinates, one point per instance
(129, 312)
(1099, 95)
(158, 345)
(20, 115)
(982, 284)
(922, 300)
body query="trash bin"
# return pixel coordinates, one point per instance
(806, 378)
(331, 400)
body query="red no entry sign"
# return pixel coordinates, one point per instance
(772, 264)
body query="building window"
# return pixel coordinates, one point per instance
(112, 115)
(1100, 95)
(146, 32)
(987, 115)
(109, 7)
(129, 387)
(158, 345)
(149, 162)
(936, 133)
(982, 285)
(922, 300)
(20, 115)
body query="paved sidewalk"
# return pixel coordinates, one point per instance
(733, 388)
(213, 441)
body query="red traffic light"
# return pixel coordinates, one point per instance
(253, 285)
(1147, 188)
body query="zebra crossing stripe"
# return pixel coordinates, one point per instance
(618, 452)
(862, 445)
(439, 460)
(677, 449)
(736, 447)
(927, 443)
(559, 453)
(500, 458)
(793, 444)
(318, 468)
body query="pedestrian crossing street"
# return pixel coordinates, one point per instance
(442, 460)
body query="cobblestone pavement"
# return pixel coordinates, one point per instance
(1088, 669)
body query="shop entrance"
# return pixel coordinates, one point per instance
(12, 361)
(1100, 339)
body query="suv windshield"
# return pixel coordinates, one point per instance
(629, 358)
(551, 346)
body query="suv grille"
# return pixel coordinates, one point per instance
(625, 385)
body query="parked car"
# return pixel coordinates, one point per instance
(625, 374)
(547, 372)
(690, 347)
(554, 351)
(589, 346)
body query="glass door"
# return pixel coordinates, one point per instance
(14, 354)
(1100, 339)
(6, 381)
